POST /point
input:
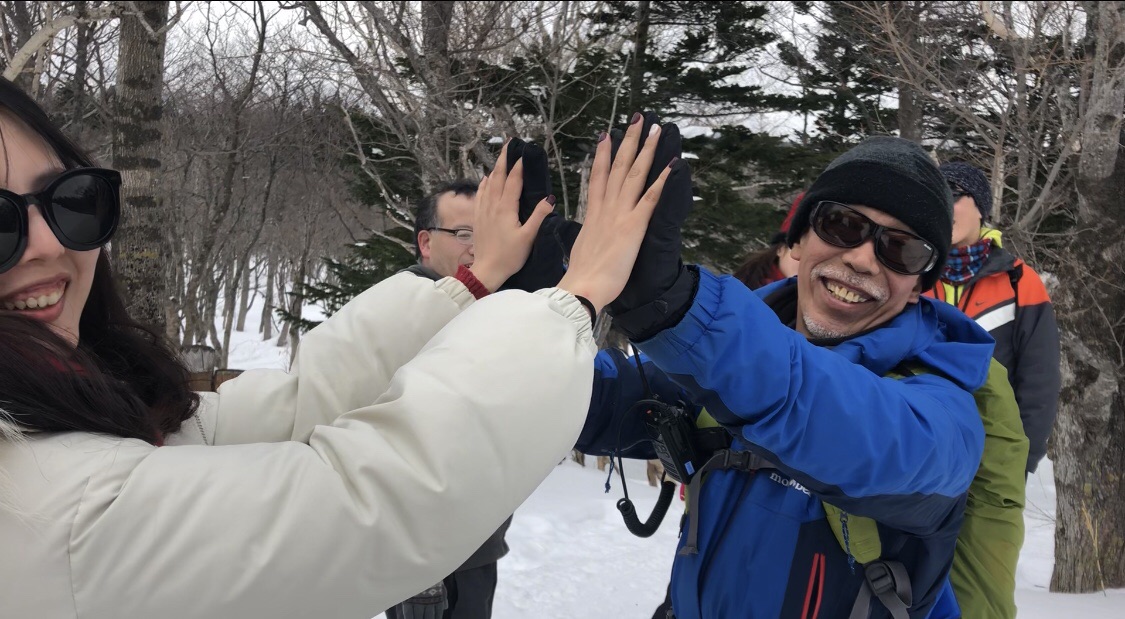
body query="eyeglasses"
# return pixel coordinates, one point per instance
(82, 207)
(463, 236)
(900, 251)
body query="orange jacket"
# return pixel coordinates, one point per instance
(1008, 298)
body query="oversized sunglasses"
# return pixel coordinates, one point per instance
(900, 251)
(82, 207)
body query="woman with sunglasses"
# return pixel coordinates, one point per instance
(335, 490)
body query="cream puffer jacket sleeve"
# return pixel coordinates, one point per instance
(426, 427)
(396, 319)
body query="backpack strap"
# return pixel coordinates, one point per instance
(720, 460)
(1014, 278)
(890, 584)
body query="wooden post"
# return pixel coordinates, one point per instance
(201, 362)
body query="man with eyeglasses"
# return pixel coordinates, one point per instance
(443, 241)
(443, 229)
(836, 429)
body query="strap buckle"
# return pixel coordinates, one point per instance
(879, 578)
(739, 460)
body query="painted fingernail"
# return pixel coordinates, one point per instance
(673, 161)
(551, 199)
(636, 116)
(602, 136)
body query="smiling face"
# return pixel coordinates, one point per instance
(441, 251)
(842, 291)
(50, 283)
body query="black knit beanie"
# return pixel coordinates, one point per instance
(973, 182)
(892, 175)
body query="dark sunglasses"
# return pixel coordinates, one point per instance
(82, 207)
(900, 251)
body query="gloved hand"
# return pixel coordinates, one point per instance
(546, 264)
(660, 289)
(429, 604)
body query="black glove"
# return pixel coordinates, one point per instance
(550, 251)
(429, 604)
(660, 289)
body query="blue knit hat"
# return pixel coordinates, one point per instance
(973, 182)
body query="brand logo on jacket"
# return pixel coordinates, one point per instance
(791, 483)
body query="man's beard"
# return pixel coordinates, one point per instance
(820, 331)
(877, 294)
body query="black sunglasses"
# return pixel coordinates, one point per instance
(901, 251)
(82, 207)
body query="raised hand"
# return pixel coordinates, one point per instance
(502, 242)
(617, 216)
(546, 264)
(660, 289)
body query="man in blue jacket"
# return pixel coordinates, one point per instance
(851, 392)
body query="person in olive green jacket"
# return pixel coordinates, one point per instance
(988, 547)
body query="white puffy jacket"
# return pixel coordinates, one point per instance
(414, 421)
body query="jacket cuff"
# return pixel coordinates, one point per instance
(674, 342)
(665, 312)
(569, 306)
(457, 290)
(465, 276)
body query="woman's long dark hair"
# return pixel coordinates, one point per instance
(123, 379)
(761, 266)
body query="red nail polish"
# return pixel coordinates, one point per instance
(602, 136)
(636, 117)
(551, 199)
(673, 161)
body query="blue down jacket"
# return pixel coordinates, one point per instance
(899, 451)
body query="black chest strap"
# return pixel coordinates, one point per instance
(888, 582)
(723, 459)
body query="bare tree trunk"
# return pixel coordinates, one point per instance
(436, 18)
(176, 294)
(909, 103)
(266, 328)
(640, 47)
(21, 20)
(244, 296)
(140, 249)
(909, 113)
(230, 297)
(1089, 439)
(81, 69)
(296, 305)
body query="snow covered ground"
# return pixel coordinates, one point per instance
(572, 557)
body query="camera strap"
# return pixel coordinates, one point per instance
(667, 488)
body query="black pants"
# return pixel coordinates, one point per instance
(664, 611)
(470, 594)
